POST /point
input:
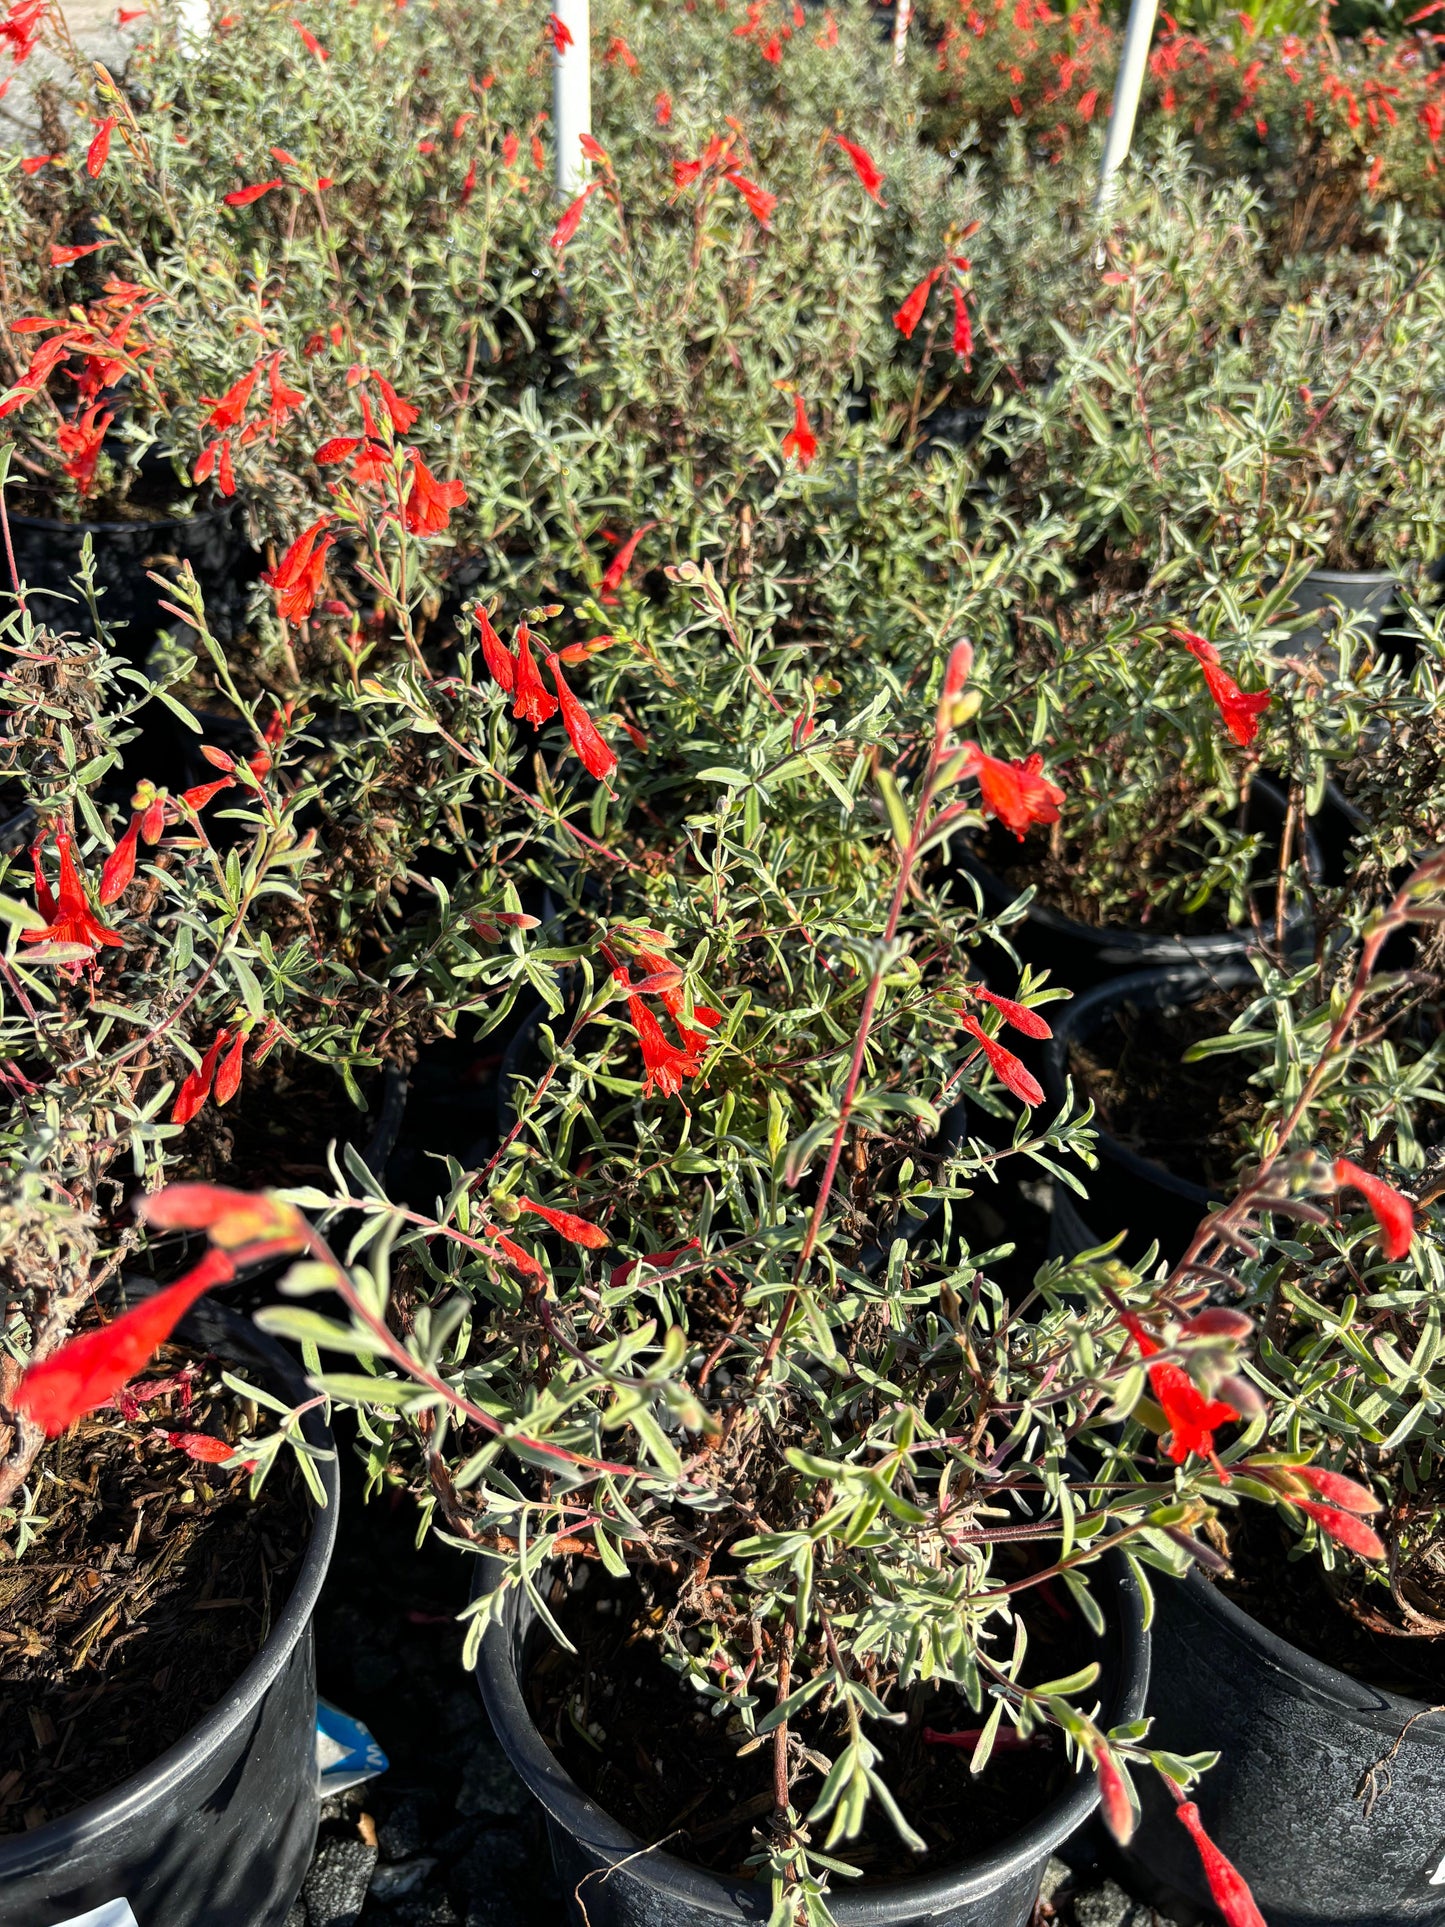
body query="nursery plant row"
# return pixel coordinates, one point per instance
(735, 886)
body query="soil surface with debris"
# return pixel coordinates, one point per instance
(153, 1583)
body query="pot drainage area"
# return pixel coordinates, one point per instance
(448, 1836)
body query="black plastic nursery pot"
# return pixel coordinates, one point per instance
(622, 1883)
(1081, 954)
(1335, 596)
(1329, 1795)
(219, 1831)
(213, 540)
(1129, 1191)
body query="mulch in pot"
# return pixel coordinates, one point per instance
(1191, 1118)
(644, 1744)
(151, 1586)
(1324, 1613)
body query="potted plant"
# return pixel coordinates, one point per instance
(188, 992)
(1141, 834)
(563, 1415)
(1318, 1642)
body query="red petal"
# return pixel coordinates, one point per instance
(91, 1369)
(575, 1230)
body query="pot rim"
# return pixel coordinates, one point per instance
(57, 525)
(1229, 974)
(724, 1899)
(1376, 577)
(81, 1829)
(1324, 1681)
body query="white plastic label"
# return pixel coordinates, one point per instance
(115, 1913)
(1437, 1879)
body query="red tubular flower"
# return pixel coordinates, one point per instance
(297, 576)
(230, 407)
(666, 1064)
(469, 185)
(310, 42)
(593, 753)
(69, 916)
(81, 442)
(522, 1260)
(91, 1369)
(560, 32)
(1114, 1800)
(865, 167)
(1018, 794)
(534, 701)
(911, 313)
(1240, 709)
(196, 799)
(337, 449)
(429, 503)
(962, 327)
(498, 657)
(119, 866)
(284, 401)
(402, 414)
(1227, 1885)
(62, 257)
(665, 981)
(244, 196)
(98, 151)
(1006, 1067)
(1394, 1215)
(228, 1077)
(576, 1231)
(204, 1446)
(511, 147)
(539, 154)
(571, 217)
(621, 562)
(772, 50)
(1193, 1419)
(1350, 1531)
(196, 1088)
(1348, 1494)
(800, 439)
(662, 109)
(619, 50)
(758, 198)
(1019, 1015)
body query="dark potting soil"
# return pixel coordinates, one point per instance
(150, 494)
(151, 1585)
(276, 1129)
(1191, 1118)
(649, 1750)
(1294, 1598)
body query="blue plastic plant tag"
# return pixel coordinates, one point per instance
(115, 1913)
(346, 1754)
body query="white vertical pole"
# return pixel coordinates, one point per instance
(1127, 89)
(572, 95)
(193, 18)
(903, 14)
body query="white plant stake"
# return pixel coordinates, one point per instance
(1127, 88)
(193, 18)
(903, 14)
(572, 95)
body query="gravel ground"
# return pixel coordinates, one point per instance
(97, 36)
